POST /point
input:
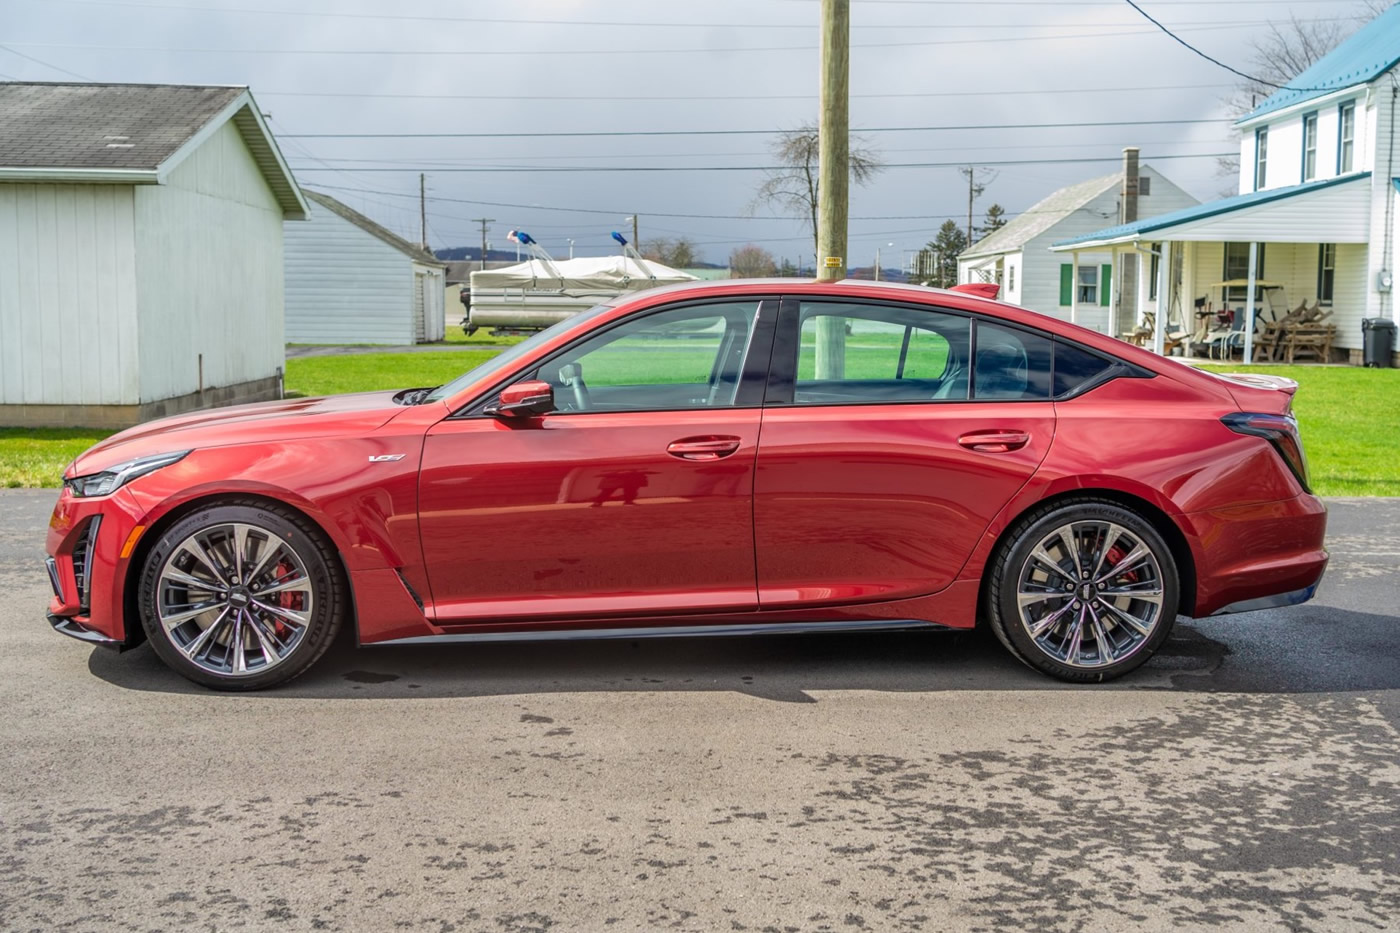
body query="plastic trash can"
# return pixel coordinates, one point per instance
(1378, 342)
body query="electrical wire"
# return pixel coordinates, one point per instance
(38, 61)
(1216, 61)
(569, 169)
(622, 133)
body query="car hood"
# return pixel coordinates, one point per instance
(290, 419)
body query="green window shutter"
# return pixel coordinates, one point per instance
(1066, 284)
(1105, 281)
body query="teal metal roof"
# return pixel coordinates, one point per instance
(1370, 51)
(1209, 209)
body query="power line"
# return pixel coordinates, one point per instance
(568, 169)
(1216, 61)
(37, 61)
(697, 97)
(620, 133)
(476, 20)
(635, 50)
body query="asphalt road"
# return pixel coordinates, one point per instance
(1248, 779)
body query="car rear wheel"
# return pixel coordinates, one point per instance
(1085, 591)
(241, 596)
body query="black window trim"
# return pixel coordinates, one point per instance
(749, 394)
(786, 345)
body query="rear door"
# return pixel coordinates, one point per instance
(892, 435)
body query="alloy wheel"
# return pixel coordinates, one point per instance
(235, 599)
(1090, 594)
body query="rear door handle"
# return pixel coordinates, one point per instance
(709, 447)
(995, 441)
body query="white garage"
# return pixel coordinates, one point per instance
(350, 280)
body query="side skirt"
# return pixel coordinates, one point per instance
(670, 631)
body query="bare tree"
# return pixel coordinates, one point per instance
(1285, 49)
(792, 188)
(751, 262)
(676, 252)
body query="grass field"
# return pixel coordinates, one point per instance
(1346, 414)
(1348, 419)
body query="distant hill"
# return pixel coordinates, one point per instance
(459, 253)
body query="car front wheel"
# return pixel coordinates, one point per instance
(1084, 591)
(241, 596)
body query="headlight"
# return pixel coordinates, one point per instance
(115, 477)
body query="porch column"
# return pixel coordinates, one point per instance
(1113, 259)
(1074, 287)
(1249, 304)
(1144, 273)
(1164, 299)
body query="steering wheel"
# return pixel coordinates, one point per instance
(571, 375)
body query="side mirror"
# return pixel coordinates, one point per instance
(524, 400)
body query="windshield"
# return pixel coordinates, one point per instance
(503, 360)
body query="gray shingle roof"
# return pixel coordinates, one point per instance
(412, 250)
(1041, 217)
(102, 126)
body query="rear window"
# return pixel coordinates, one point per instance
(1011, 364)
(1076, 368)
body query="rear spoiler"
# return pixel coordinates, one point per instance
(1261, 381)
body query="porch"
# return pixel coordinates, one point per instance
(1294, 261)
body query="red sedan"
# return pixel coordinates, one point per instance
(737, 457)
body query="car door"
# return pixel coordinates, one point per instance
(892, 435)
(633, 497)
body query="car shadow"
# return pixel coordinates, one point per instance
(1303, 650)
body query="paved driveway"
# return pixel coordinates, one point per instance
(1248, 779)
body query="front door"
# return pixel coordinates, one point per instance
(633, 498)
(888, 447)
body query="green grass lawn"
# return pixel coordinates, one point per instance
(1348, 419)
(1347, 414)
(37, 456)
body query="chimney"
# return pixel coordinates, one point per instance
(1128, 204)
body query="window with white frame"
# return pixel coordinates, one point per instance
(1261, 156)
(1326, 271)
(1010, 279)
(1089, 285)
(1309, 146)
(1346, 136)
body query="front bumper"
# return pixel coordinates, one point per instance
(76, 630)
(85, 566)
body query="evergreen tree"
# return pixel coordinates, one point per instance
(995, 220)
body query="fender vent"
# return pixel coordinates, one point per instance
(409, 586)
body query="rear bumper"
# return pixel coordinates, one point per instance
(1259, 556)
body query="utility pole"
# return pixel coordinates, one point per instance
(833, 178)
(636, 237)
(423, 210)
(974, 190)
(483, 221)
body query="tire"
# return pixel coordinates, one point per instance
(1083, 590)
(284, 597)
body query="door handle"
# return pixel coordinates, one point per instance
(994, 442)
(710, 447)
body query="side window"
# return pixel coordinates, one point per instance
(1010, 364)
(689, 357)
(852, 353)
(1075, 368)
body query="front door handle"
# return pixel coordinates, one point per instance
(709, 447)
(995, 441)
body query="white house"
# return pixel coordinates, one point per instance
(349, 280)
(140, 252)
(1017, 256)
(1316, 212)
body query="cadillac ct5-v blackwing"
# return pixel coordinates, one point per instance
(733, 457)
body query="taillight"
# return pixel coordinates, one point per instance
(1279, 430)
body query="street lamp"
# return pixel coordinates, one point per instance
(571, 249)
(877, 261)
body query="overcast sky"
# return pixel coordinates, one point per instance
(604, 66)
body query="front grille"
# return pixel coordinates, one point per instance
(82, 560)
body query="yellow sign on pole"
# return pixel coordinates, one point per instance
(832, 262)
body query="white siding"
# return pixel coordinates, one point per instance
(209, 272)
(67, 295)
(434, 282)
(345, 285)
(1339, 214)
(1040, 272)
